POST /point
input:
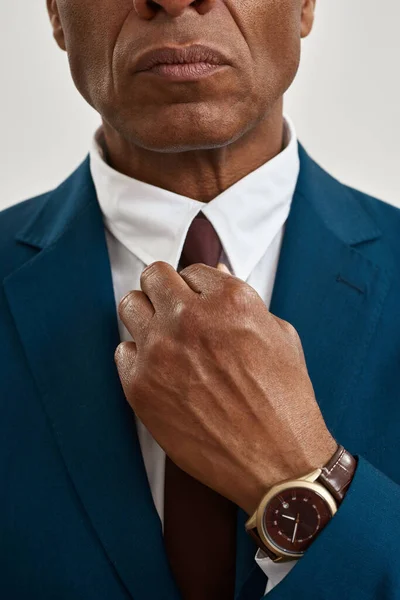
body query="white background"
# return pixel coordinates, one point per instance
(345, 101)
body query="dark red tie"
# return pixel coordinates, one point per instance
(199, 524)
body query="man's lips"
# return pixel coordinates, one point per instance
(184, 72)
(203, 57)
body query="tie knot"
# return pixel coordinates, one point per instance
(202, 244)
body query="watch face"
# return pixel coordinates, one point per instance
(293, 519)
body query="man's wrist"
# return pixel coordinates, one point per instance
(258, 477)
(304, 505)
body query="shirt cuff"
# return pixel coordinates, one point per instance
(275, 571)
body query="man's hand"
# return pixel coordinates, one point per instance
(220, 382)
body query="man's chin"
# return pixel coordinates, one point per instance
(177, 127)
(184, 142)
(163, 134)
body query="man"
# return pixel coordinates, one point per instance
(199, 331)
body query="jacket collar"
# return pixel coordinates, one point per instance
(60, 209)
(344, 216)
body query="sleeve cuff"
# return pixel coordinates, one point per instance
(274, 571)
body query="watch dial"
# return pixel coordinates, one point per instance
(294, 518)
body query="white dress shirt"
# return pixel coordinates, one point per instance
(145, 223)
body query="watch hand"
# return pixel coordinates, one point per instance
(287, 517)
(295, 528)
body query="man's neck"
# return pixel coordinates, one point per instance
(198, 174)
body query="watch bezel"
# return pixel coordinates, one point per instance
(275, 491)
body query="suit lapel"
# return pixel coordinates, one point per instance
(333, 295)
(63, 305)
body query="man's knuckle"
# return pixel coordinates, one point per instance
(181, 310)
(128, 302)
(150, 270)
(157, 268)
(240, 295)
(290, 330)
(120, 351)
(186, 318)
(191, 270)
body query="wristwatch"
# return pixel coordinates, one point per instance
(292, 513)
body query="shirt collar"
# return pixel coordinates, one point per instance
(152, 222)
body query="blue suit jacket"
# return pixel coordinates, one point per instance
(77, 519)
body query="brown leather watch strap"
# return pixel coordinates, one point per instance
(337, 474)
(254, 534)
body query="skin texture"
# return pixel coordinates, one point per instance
(219, 381)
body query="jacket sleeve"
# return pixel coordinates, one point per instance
(357, 555)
